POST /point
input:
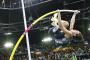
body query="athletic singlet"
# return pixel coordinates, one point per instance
(58, 36)
(60, 39)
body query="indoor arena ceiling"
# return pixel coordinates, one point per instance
(11, 16)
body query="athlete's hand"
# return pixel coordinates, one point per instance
(76, 11)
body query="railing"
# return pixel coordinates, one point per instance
(17, 4)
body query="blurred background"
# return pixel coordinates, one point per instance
(12, 26)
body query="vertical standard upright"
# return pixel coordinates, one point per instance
(25, 25)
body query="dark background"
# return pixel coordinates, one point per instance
(11, 19)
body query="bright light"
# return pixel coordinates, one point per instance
(47, 39)
(86, 43)
(89, 29)
(9, 33)
(8, 45)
